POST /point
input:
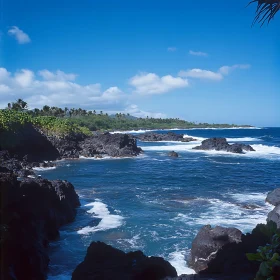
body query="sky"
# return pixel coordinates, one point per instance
(197, 60)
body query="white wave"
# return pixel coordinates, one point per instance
(248, 197)
(177, 259)
(261, 151)
(222, 128)
(223, 213)
(264, 150)
(208, 128)
(243, 139)
(106, 157)
(240, 139)
(195, 137)
(44, 168)
(133, 131)
(177, 147)
(108, 220)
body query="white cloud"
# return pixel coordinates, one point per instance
(201, 74)
(19, 35)
(150, 83)
(24, 78)
(172, 49)
(197, 53)
(210, 75)
(225, 70)
(133, 110)
(56, 76)
(54, 89)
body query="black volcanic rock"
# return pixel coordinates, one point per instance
(274, 216)
(221, 144)
(115, 145)
(222, 252)
(170, 136)
(273, 197)
(173, 154)
(30, 142)
(32, 210)
(105, 262)
(208, 242)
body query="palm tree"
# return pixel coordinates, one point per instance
(266, 10)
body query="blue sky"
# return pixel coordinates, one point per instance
(197, 60)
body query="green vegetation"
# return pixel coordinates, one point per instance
(268, 255)
(58, 120)
(13, 120)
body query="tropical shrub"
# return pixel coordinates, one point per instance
(268, 256)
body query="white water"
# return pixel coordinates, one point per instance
(231, 214)
(177, 259)
(44, 168)
(261, 151)
(108, 220)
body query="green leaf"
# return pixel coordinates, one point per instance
(254, 257)
(264, 269)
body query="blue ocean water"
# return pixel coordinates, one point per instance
(157, 204)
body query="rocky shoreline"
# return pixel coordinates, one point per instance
(33, 209)
(170, 136)
(217, 253)
(221, 144)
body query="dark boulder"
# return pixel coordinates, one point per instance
(274, 216)
(224, 253)
(173, 154)
(221, 144)
(208, 242)
(170, 136)
(273, 197)
(105, 262)
(30, 141)
(115, 145)
(32, 210)
(68, 146)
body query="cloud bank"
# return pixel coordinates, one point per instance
(151, 83)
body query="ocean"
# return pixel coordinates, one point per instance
(157, 204)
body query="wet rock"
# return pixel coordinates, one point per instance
(98, 156)
(208, 242)
(29, 144)
(105, 262)
(170, 136)
(274, 215)
(221, 144)
(173, 154)
(115, 145)
(274, 197)
(223, 253)
(32, 210)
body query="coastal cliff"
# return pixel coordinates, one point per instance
(32, 211)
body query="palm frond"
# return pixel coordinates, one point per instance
(266, 10)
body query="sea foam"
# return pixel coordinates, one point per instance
(177, 259)
(44, 168)
(231, 214)
(108, 220)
